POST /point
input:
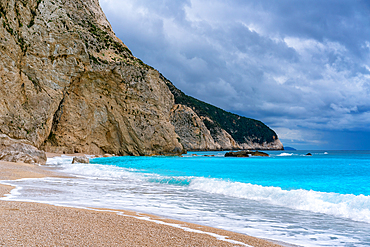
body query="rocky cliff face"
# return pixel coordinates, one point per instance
(227, 131)
(193, 134)
(20, 151)
(68, 84)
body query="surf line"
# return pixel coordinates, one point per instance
(184, 228)
(14, 192)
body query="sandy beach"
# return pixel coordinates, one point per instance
(35, 224)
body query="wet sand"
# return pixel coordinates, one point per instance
(35, 224)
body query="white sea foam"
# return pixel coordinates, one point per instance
(92, 171)
(297, 216)
(56, 161)
(347, 206)
(285, 154)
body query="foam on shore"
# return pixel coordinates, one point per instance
(203, 201)
(16, 192)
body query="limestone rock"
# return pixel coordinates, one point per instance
(224, 139)
(275, 145)
(7, 141)
(80, 159)
(68, 84)
(191, 130)
(194, 134)
(18, 151)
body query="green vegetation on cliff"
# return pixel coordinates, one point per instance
(240, 128)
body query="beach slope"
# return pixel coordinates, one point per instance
(35, 224)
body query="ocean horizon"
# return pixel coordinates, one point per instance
(318, 200)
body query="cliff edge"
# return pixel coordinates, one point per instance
(68, 84)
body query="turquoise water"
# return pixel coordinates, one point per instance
(335, 171)
(318, 200)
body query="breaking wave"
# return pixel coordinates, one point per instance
(347, 206)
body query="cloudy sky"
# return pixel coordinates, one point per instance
(302, 67)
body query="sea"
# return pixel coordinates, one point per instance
(318, 200)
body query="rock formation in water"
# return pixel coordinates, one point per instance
(68, 84)
(245, 154)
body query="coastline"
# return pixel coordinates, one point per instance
(25, 223)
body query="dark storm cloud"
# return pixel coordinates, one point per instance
(302, 67)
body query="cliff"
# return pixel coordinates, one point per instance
(227, 130)
(68, 84)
